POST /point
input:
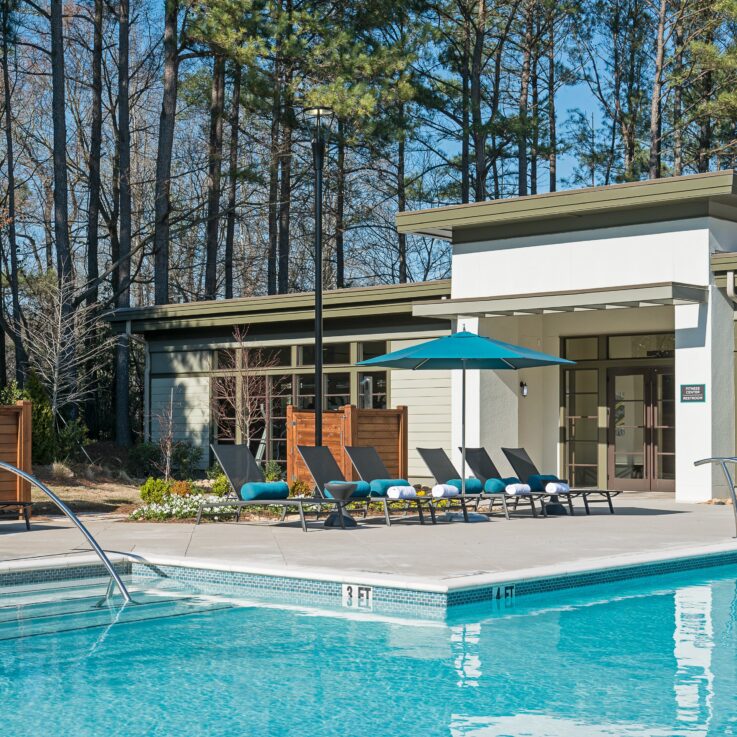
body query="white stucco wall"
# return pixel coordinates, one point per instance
(612, 257)
(583, 260)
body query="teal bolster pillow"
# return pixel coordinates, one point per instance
(362, 489)
(473, 486)
(538, 481)
(379, 487)
(498, 486)
(264, 490)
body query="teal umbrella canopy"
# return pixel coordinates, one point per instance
(465, 350)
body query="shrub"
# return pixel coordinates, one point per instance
(185, 458)
(144, 460)
(69, 440)
(178, 507)
(220, 485)
(299, 488)
(272, 471)
(181, 488)
(154, 490)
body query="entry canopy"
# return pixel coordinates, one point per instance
(549, 303)
(465, 350)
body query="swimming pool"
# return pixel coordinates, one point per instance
(645, 658)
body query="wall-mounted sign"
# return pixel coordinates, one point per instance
(693, 392)
(356, 596)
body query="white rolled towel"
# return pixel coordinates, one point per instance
(441, 491)
(557, 487)
(517, 489)
(401, 492)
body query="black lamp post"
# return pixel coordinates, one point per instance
(321, 117)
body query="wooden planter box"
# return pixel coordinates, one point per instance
(383, 429)
(15, 448)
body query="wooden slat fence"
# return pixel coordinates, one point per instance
(15, 448)
(384, 429)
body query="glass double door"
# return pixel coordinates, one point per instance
(641, 453)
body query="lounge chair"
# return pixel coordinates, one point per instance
(484, 469)
(249, 489)
(444, 472)
(371, 469)
(524, 467)
(324, 469)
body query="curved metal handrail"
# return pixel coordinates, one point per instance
(723, 461)
(73, 517)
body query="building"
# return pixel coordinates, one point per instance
(635, 282)
(190, 348)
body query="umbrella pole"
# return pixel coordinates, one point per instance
(463, 428)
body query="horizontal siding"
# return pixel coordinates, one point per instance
(180, 362)
(191, 410)
(427, 397)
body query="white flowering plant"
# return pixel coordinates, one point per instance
(179, 507)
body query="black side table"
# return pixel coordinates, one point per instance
(341, 491)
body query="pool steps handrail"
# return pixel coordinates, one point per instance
(73, 517)
(723, 461)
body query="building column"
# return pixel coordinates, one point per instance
(704, 356)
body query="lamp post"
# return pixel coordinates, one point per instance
(321, 118)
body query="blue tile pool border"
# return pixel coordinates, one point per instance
(391, 600)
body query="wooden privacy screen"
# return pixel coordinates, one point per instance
(15, 448)
(383, 429)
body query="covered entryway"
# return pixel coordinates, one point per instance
(641, 439)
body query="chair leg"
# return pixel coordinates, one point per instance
(302, 516)
(199, 514)
(431, 505)
(419, 512)
(283, 513)
(532, 507)
(504, 505)
(542, 506)
(465, 510)
(27, 515)
(609, 502)
(387, 518)
(366, 509)
(570, 504)
(585, 497)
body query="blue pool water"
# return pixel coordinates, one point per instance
(653, 658)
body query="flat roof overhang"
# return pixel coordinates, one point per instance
(713, 193)
(550, 303)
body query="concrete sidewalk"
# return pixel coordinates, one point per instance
(448, 554)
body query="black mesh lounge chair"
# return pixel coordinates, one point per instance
(240, 467)
(524, 467)
(324, 468)
(443, 470)
(370, 467)
(484, 469)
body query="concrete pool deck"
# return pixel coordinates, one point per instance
(443, 557)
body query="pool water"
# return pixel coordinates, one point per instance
(650, 658)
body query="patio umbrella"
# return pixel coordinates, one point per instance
(463, 351)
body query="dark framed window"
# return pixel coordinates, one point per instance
(333, 354)
(581, 349)
(371, 349)
(582, 426)
(372, 392)
(654, 345)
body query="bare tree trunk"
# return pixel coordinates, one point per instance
(273, 221)
(21, 359)
(215, 155)
(552, 125)
(232, 181)
(61, 213)
(167, 119)
(465, 126)
(535, 137)
(285, 196)
(93, 205)
(402, 203)
(479, 131)
(122, 369)
(340, 209)
(678, 101)
(655, 108)
(523, 103)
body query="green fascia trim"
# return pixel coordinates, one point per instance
(359, 302)
(442, 221)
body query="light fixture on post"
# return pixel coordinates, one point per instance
(523, 390)
(321, 119)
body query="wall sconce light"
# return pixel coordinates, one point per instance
(523, 388)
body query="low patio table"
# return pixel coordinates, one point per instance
(341, 491)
